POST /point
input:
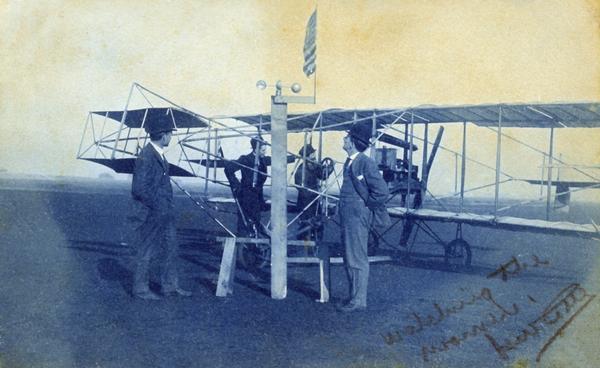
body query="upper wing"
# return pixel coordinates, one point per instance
(532, 115)
(139, 117)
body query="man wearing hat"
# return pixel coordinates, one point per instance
(249, 190)
(363, 190)
(307, 179)
(154, 220)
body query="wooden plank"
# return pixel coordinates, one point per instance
(302, 243)
(307, 243)
(334, 260)
(227, 271)
(228, 266)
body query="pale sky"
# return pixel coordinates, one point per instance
(61, 59)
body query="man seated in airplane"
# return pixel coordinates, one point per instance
(248, 191)
(307, 178)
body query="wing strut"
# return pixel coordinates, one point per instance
(434, 149)
(549, 189)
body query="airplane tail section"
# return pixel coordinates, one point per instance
(562, 199)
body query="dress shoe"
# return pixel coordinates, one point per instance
(351, 308)
(342, 303)
(147, 295)
(178, 292)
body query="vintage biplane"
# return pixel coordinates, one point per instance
(117, 137)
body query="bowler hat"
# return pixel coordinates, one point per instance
(255, 141)
(159, 124)
(306, 151)
(362, 132)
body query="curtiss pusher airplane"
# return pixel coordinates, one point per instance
(118, 140)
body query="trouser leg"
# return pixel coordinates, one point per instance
(355, 235)
(169, 275)
(362, 281)
(146, 244)
(241, 225)
(250, 208)
(350, 277)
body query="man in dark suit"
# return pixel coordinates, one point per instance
(307, 178)
(363, 190)
(249, 190)
(154, 220)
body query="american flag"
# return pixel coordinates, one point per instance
(310, 45)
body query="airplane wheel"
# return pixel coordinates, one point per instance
(254, 256)
(457, 253)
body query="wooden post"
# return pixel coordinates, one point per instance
(278, 198)
(324, 273)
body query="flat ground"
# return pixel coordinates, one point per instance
(65, 297)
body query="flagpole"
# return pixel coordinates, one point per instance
(315, 88)
(316, 35)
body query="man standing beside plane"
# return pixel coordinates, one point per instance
(363, 191)
(154, 219)
(249, 190)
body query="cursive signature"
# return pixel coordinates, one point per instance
(514, 267)
(422, 322)
(565, 301)
(488, 320)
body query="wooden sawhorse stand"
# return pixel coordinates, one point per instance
(228, 264)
